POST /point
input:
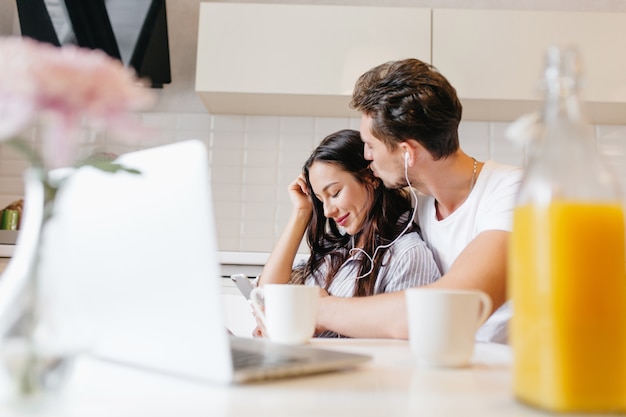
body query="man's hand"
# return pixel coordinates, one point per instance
(318, 328)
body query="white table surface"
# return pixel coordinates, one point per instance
(389, 385)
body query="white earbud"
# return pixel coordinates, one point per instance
(406, 159)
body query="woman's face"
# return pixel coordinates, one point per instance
(345, 200)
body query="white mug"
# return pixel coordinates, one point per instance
(288, 312)
(443, 324)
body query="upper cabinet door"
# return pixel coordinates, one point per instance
(298, 59)
(495, 58)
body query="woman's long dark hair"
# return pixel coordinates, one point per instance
(344, 149)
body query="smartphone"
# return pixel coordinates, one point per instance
(243, 283)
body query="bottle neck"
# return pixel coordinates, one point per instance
(563, 102)
(562, 82)
(564, 162)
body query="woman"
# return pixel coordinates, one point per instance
(361, 235)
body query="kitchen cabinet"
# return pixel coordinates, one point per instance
(298, 59)
(495, 59)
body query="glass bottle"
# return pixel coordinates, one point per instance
(566, 262)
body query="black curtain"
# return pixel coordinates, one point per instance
(151, 56)
(35, 21)
(92, 27)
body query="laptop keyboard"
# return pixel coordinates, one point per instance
(245, 359)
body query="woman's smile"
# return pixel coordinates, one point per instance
(341, 221)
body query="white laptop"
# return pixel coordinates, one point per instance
(134, 261)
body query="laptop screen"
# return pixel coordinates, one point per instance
(132, 265)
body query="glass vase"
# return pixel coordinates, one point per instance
(35, 358)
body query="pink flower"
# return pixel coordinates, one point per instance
(67, 86)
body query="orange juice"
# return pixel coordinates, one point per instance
(568, 285)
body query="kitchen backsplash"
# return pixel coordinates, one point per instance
(254, 158)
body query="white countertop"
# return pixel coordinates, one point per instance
(390, 385)
(225, 257)
(6, 251)
(249, 258)
(243, 258)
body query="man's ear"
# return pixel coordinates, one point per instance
(407, 153)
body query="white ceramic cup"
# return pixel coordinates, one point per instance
(288, 312)
(443, 323)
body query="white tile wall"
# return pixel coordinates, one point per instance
(254, 158)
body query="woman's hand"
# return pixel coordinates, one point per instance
(299, 195)
(259, 330)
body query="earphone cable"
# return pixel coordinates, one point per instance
(414, 195)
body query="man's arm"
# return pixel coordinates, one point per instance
(481, 265)
(376, 316)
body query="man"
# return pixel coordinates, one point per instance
(409, 126)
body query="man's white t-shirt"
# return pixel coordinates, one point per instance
(488, 207)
